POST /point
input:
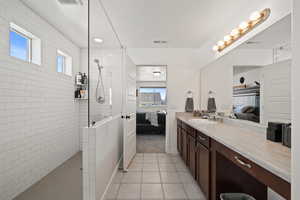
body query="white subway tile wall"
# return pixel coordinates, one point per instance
(39, 119)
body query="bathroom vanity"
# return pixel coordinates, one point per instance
(224, 158)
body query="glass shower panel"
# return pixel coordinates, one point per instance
(100, 94)
(105, 61)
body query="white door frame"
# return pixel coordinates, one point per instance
(168, 142)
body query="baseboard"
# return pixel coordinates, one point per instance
(111, 178)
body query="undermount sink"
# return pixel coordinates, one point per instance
(202, 121)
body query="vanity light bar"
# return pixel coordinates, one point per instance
(255, 19)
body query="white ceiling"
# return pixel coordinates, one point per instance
(183, 23)
(175, 57)
(276, 35)
(187, 25)
(72, 21)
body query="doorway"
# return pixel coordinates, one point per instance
(151, 109)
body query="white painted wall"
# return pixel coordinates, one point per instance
(38, 116)
(180, 80)
(295, 82)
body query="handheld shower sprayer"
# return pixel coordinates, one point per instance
(100, 98)
(97, 61)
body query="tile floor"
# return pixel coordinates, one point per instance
(155, 176)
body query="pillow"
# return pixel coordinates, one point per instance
(247, 109)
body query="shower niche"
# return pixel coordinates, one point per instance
(81, 86)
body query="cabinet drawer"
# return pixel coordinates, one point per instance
(203, 139)
(274, 182)
(190, 130)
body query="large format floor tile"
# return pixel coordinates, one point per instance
(151, 177)
(186, 177)
(193, 192)
(112, 191)
(132, 177)
(152, 191)
(170, 177)
(129, 192)
(155, 176)
(167, 167)
(174, 191)
(150, 167)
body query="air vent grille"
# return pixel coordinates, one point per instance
(253, 42)
(71, 2)
(160, 42)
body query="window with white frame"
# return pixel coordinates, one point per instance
(152, 96)
(63, 63)
(24, 45)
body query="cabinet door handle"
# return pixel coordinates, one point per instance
(201, 138)
(242, 162)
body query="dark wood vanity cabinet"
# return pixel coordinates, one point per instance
(179, 137)
(193, 147)
(192, 155)
(218, 169)
(202, 164)
(184, 140)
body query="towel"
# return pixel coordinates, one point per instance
(211, 105)
(152, 117)
(189, 104)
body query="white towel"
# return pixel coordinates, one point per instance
(152, 117)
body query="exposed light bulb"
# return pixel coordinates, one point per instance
(235, 32)
(244, 25)
(221, 43)
(227, 38)
(255, 16)
(215, 48)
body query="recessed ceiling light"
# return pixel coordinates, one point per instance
(98, 40)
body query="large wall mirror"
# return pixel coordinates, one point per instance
(252, 82)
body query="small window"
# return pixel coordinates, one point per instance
(20, 46)
(24, 45)
(156, 96)
(63, 63)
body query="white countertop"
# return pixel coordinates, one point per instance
(272, 156)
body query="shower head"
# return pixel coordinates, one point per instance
(97, 61)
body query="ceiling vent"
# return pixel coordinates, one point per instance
(71, 2)
(253, 42)
(160, 42)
